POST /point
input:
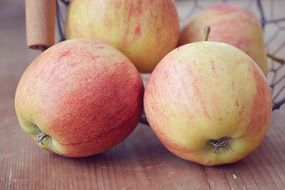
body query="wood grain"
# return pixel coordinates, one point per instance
(140, 162)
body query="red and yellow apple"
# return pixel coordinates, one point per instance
(208, 102)
(145, 31)
(229, 24)
(79, 98)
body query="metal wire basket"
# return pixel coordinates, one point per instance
(268, 19)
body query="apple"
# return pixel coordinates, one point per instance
(208, 102)
(229, 24)
(145, 31)
(79, 98)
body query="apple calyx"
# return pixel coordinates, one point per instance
(219, 144)
(207, 30)
(42, 138)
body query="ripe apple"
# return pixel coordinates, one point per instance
(145, 31)
(208, 102)
(79, 98)
(229, 24)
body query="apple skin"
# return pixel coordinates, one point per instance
(145, 31)
(86, 96)
(205, 91)
(229, 24)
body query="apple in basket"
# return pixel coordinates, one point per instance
(232, 25)
(145, 31)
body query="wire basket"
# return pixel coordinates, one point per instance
(271, 23)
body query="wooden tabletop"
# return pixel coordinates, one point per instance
(140, 162)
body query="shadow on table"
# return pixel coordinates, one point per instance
(142, 151)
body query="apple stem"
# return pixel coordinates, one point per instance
(219, 143)
(207, 30)
(40, 137)
(275, 58)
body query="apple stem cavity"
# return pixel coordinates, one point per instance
(219, 144)
(207, 30)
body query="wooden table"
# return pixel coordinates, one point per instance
(140, 162)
